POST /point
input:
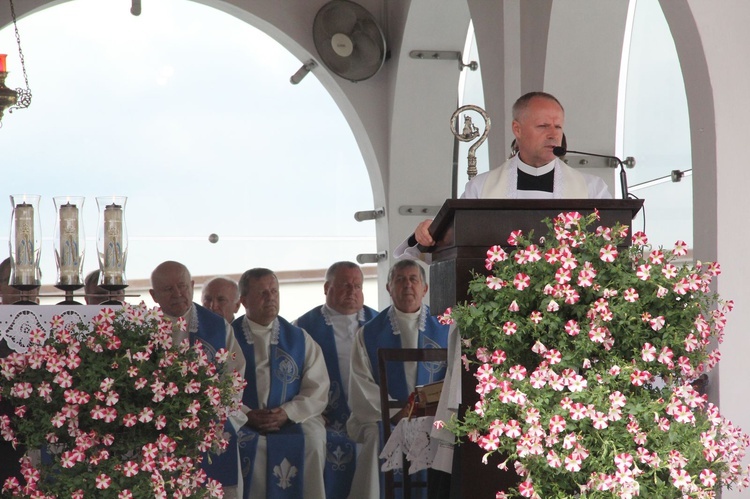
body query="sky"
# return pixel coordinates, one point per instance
(657, 128)
(189, 113)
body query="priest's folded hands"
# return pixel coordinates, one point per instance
(267, 420)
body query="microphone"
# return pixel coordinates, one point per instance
(561, 151)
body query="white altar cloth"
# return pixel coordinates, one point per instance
(17, 321)
(412, 438)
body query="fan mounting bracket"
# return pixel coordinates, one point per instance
(444, 55)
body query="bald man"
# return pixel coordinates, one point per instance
(221, 295)
(172, 288)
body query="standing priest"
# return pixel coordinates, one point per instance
(533, 173)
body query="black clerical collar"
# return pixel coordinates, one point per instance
(536, 179)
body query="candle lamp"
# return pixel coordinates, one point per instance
(112, 242)
(69, 245)
(18, 98)
(25, 242)
(8, 97)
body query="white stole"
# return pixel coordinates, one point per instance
(502, 183)
(407, 325)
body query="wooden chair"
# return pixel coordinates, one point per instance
(386, 355)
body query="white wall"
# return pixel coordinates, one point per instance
(725, 41)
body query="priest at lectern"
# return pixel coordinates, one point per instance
(533, 172)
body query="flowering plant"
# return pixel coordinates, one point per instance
(117, 410)
(586, 351)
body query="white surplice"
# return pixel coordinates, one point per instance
(306, 408)
(501, 183)
(364, 400)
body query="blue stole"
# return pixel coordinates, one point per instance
(340, 450)
(379, 333)
(212, 334)
(286, 448)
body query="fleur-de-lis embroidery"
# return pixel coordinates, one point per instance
(340, 457)
(337, 428)
(285, 472)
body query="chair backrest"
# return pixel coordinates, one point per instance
(386, 355)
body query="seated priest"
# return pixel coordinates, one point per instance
(282, 445)
(222, 296)
(534, 172)
(407, 323)
(333, 325)
(172, 290)
(8, 293)
(95, 294)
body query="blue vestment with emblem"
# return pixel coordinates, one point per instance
(380, 333)
(340, 449)
(211, 332)
(286, 362)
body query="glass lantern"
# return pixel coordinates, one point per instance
(112, 242)
(25, 242)
(69, 241)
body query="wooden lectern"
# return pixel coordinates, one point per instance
(464, 229)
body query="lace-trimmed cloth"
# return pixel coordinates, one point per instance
(410, 438)
(17, 321)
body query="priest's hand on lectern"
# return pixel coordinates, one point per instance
(422, 233)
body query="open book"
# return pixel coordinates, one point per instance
(422, 402)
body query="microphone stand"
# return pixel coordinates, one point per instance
(629, 161)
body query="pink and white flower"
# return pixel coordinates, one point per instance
(572, 328)
(521, 281)
(495, 254)
(680, 248)
(657, 323)
(630, 295)
(103, 481)
(639, 239)
(608, 253)
(648, 352)
(494, 283)
(514, 236)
